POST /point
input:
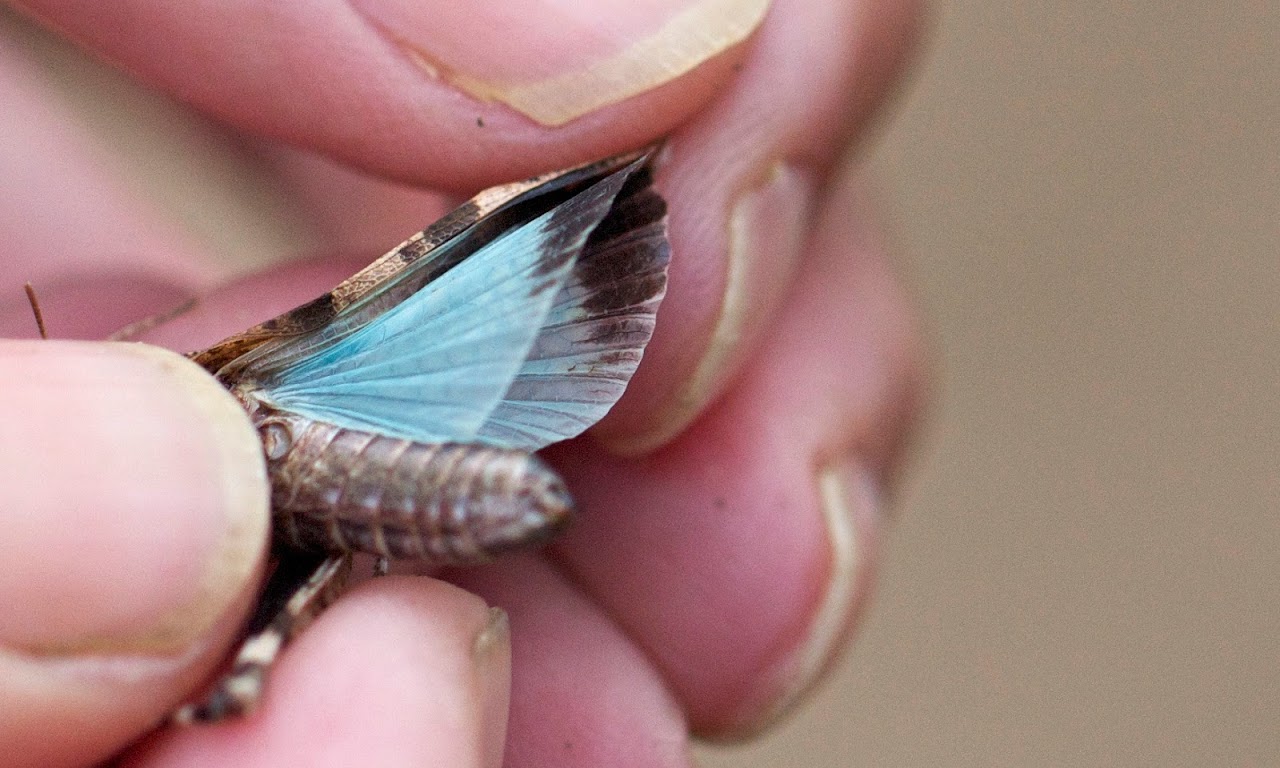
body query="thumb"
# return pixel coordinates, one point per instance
(133, 505)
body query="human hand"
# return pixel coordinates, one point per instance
(730, 535)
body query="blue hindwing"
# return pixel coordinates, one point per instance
(513, 346)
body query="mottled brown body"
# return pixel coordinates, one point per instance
(338, 489)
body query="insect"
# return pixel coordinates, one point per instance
(399, 413)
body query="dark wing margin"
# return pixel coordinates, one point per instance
(596, 333)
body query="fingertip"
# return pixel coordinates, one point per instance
(850, 504)
(435, 101)
(583, 695)
(123, 461)
(402, 671)
(135, 521)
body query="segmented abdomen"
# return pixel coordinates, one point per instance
(340, 489)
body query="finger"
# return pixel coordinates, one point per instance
(581, 693)
(742, 181)
(402, 671)
(456, 94)
(135, 522)
(66, 215)
(740, 555)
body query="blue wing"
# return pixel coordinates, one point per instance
(444, 364)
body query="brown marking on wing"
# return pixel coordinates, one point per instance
(624, 263)
(567, 223)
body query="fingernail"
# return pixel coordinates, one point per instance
(850, 502)
(492, 653)
(134, 499)
(555, 61)
(766, 230)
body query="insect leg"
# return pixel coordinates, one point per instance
(301, 586)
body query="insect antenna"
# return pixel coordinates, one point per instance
(139, 327)
(35, 309)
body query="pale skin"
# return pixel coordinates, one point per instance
(733, 501)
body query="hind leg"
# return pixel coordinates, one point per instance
(301, 586)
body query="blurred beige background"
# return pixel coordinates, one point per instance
(1086, 567)
(1086, 563)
